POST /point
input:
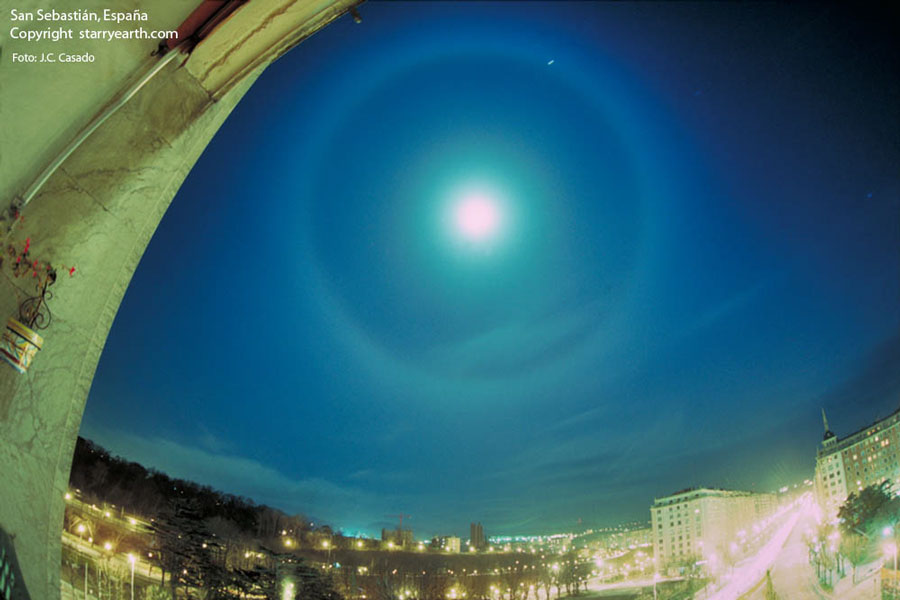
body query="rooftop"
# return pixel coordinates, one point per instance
(841, 443)
(691, 493)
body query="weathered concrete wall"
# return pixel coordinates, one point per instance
(44, 106)
(98, 212)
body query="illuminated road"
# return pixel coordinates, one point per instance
(792, 575)
(143, 569)
(748, 573)
(635, 585)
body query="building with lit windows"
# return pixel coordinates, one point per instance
(705, 526)
(447, 543)
(865, 457)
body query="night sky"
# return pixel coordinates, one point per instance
(525, 264)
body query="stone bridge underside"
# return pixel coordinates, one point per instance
(97, 211)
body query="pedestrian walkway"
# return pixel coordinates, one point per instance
(868, 586)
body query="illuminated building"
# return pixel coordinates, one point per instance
(865, 457)
(621, 538)
(447, 543)
(697, 525)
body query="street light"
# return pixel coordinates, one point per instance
(655, 579)
(80, 529)
(288, 593)
(131, 559)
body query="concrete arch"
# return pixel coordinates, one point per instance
(98, 211)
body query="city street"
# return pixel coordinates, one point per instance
(792, 575)
(144, 571)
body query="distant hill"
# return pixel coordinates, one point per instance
(102, 478)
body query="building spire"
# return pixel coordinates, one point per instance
(828, 433)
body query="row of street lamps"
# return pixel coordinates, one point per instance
(108, 547)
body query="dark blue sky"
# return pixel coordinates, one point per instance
(700, 246)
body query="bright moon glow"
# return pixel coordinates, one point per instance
(477, 217)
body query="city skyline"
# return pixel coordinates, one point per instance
(524, 264)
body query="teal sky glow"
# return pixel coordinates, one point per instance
(694, 248)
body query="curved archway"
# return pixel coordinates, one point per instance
(98, 210)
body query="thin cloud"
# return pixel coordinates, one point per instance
(514, 346)
(234, 474)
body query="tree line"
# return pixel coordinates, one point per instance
(105, 479)
(207, 544)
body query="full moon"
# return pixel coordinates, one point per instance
(477, 217)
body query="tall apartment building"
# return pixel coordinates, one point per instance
(701, 524)
(865, 457)
(476, 536)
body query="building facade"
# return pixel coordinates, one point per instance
(866, 457)
(636, 538)
(702, 525)
(477, 538)
(397, 537)
(446, 543)
(626, 538)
